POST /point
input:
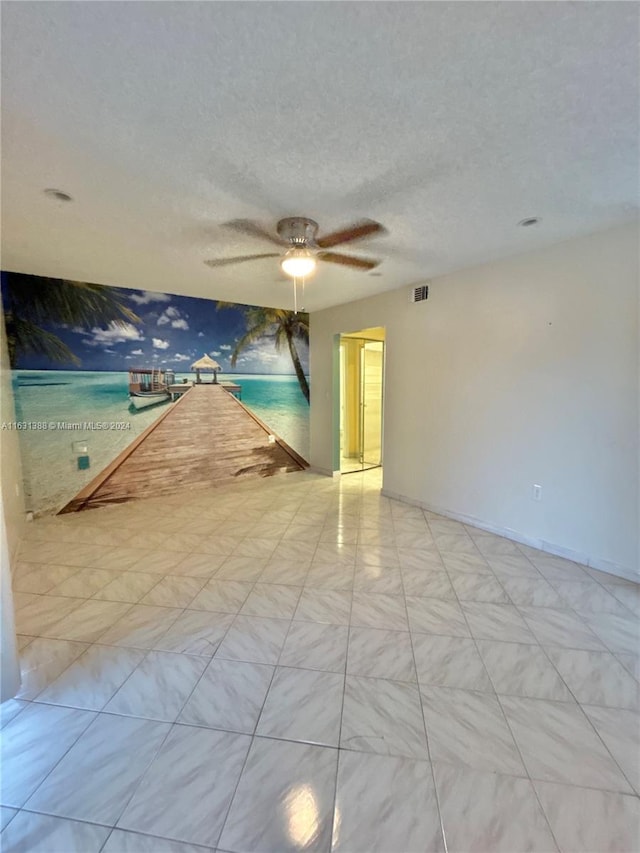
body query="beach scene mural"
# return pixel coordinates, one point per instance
(73, 347)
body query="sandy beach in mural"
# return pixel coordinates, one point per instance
(50, 468)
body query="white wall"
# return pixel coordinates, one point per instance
(12, 518)
(517, 372)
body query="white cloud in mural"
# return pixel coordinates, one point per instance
(158, 343)
(225, 346)
(175, 317)
(128, 357)
(201, 334)
(180, 357)
(137, 352)
(214, 352)
(77, 329)
(113, 334)
(147, 297)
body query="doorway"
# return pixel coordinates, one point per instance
(361, 399)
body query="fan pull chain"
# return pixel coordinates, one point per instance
(295, 295)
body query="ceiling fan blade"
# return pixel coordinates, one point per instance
(365, 228)
(348, 260)
(252, 229)
(223, 262)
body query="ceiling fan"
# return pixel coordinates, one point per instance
(301, 248)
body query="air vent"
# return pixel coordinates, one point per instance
(419, 293)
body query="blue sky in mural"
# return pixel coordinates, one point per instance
(174, 331)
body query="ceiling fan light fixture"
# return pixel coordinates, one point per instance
(298, 263)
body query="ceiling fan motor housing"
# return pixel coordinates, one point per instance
(298, 230)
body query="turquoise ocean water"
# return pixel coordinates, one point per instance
(49, 463)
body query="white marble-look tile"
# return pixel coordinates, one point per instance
(10, 709)
(558, 744)
(450, 662)
(245, 569)
(42, 613)
(274, 601)
(198, 566)
(469, 728)
(286, 572)
(173, 591)
(436, 616)
(619, 634)
(42, 661)
(33, 743)
(96, 778)
(330, 606)
(141, 627)
(158, 687)
(195, 632)
(84, 583)
(313, 645)
(559, 569)
(230, 696)
(120, 559)
(38, 578)
(514, 566)
(488, 812)
(428, 559)
(594, 821)
(589, 595)
(127, 586)
(531, 592)
(88, 622)
(284, 801)
(452, 544)
(374, 610)
(6, 816)
(620, 731)
(596, 678)
(253, 639)
(427, 584)
(500, 622)
(334, 555)
(157, 562)
(38, 833)
(21, 599)
(374, 578)
(385, 803)
(121, 841)
(262, 547)
(383, 717)
(222, 596)
(217, 545)
(91, 680)
(470, 587)
(519, 669)
(337, 576)
(186, 792)
(303, 705)
(560, 628)
(378, 653)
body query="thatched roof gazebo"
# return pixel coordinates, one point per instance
(207, 364)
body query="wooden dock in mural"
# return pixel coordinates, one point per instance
(205, 438)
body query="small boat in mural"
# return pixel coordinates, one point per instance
(149, 386)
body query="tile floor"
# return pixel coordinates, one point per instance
(302, 664)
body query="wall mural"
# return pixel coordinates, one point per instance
(72, 346)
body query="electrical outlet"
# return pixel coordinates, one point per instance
(536, 492)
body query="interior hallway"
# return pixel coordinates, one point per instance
(302, 664)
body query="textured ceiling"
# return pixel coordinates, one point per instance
(447, 122)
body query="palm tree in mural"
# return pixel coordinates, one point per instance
(33, 302)
(285, 327)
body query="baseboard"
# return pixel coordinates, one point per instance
(326, 472)
(607, 566)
